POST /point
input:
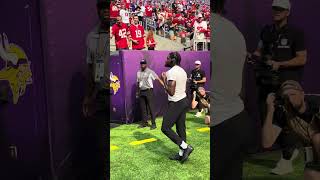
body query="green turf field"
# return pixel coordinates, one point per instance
(150, 160)
(258, 167)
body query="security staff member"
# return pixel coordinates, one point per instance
(145, 78)
(198, 79)
(95, 105)
(282, 46)
(175, 81)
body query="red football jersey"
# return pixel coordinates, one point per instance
(148, 11)
(151, 42)
(114, 11)
(137, 33)
(120, 33)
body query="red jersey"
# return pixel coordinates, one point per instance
(114, 11)
(120, 33)
(148, 11)
(151, 42)
(137, 33)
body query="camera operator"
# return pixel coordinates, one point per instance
(280, 56)
(202, 100)
(197, 79)
(298, 113)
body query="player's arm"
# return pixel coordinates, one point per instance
(169, 84)
(170, 87)
(203, 80)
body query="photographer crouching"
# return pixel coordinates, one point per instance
(201, 100)
(291, 109)
(280, 56)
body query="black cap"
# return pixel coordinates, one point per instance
(143, 61)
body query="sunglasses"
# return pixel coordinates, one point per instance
(278, 9)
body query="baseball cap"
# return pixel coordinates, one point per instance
(197, 62)
(290, 84)
(200, 15)
(143, 61)
(282, 3)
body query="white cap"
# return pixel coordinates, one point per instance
(282, 3)
(197, 62)
(200, 15)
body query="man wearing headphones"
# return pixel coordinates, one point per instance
(175, 81)
(281, 47)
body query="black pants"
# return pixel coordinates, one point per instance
(96, 152)
(176, 115)
(146, 103)
(231, 140)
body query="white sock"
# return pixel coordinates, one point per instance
(184, 145)
(180, 152)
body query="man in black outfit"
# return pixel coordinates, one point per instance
(175, 81)
(145, 78)
(281, 47)
(197, 79)
(300, 114)
(202, 100)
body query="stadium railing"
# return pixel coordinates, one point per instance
(204, 43)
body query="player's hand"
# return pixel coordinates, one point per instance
(195, 81)
(164, 76)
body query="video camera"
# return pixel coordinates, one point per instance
(265, 76)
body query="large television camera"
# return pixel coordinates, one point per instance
(265, 75)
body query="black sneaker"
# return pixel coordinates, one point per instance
(175, 157)
(153, 126)
(186, 153)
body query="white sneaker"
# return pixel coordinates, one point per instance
(285, 166)
(198, 114)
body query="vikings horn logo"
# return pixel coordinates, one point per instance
(16, 71)
(114, 83)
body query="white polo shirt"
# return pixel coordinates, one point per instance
(176, 73)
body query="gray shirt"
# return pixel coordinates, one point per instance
(228, 57)
(98, 48)
(145, 78)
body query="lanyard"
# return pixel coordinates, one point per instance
(101, 47)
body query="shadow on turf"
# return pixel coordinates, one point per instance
(262, 162)
(270, 178)
(158, 147)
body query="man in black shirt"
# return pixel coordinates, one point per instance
(282, 53)
(299, 114)
(202, 101)
(198, 79)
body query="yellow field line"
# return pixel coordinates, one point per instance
(112, 147)
(203, 129)
(134, 143)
